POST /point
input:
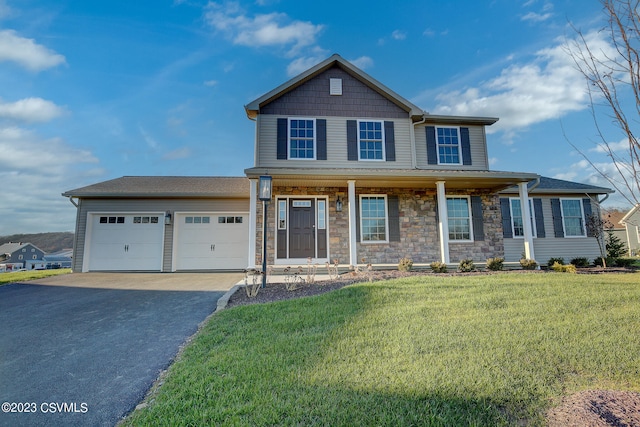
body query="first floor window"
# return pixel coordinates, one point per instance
(322, 214)
(282, 214)
(301, 139)
(572, 218)
(373, 218)
(516, 218)
(370, 140)
(459, 218)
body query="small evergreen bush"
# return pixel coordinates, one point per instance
(466, 266)
(625, 262)
(552, 261)
(580, 262)
(495, 264)
(405, 264)
(528, 264)
(561, 268)
(438, 267)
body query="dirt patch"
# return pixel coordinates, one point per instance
(597, 408)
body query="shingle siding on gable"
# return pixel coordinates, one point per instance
(312, 99)
(477, 144)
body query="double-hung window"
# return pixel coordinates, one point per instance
(573, 218)
(370, 140)
(373, 219)
(517, 224)
(448, 140)
(459, 214)
(302, 139)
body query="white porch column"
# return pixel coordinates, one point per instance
(253, 212)
(443, 222)
(526, 220)
(353, 252)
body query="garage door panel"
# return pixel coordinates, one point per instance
(125, 242)
(212, 241)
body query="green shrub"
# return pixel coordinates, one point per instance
(580, 262)
(625, 262)
(438, 267)
(610, 261)
(405, 264)
(561, 268)
(552, 261)
(528, 264)
(495, 264)
(466, 266)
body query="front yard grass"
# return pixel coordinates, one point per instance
(21, 276)
(442, 351)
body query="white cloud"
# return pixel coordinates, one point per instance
(30, 110)
(148, 139)
(524, 94)
(536, 17)
(622, 145)
(26, 52)
(260, 30)
(398, 35)
(211, 83)
(362, 62)
(5, 10)
(178, 153)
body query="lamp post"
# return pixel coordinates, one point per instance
(264, 194)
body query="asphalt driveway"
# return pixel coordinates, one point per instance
(86, 353)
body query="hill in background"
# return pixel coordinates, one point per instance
(48, 242)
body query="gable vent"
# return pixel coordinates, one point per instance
(335, 86)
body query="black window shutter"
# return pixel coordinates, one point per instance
(586, 204)
(352, 140)
(466, 146)
(357, 208)
(389, 142)
(432, 149)
(558, 229)
(281, 139)
(537, 209)
(505, 209)
(394, 218)
(321, 139)
(435, 204)
(477, 217)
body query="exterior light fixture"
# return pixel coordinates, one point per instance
(264, 194)
(338, 205)
(167, 218)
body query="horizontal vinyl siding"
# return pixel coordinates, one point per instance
(552, 247)
(148, 205)
(336, 146)
(478, 149)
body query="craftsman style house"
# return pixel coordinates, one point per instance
(359, 174)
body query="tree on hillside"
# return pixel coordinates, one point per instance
(612, 74)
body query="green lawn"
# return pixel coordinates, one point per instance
(21, 276)
(442, 351)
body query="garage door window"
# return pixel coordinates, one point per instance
(145, 219)
(197, 220)
(229, 220)
(111, 220)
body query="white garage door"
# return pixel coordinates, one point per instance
(211, 241)
(126, 242)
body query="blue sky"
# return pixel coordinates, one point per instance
(96, 90)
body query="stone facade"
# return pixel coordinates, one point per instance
(418, 227)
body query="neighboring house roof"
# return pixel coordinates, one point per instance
(253, 108)
(11, 247)
(629, 214)
(551, 185)
(165, 186)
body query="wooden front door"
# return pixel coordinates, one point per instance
(302, 228)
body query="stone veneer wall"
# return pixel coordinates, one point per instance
(418, 228)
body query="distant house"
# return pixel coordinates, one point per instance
(631, 222)
(358, 172)
(20, 253)
(62, 259)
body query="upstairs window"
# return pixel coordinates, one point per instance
(301, 139)
(448, 145)
(370, 140)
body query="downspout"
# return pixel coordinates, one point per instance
(72, 202)
(414, 154)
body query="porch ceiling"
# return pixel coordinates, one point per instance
(389, 178)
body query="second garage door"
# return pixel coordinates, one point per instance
(211, 241)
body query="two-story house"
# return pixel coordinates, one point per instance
(19, 254)
(359, 174)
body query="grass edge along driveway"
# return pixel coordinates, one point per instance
(477, 350)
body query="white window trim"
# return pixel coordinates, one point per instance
(459, 145)
(584, 224)
(386, 220)
(470, 240)
(286, 214)
(384, 153)
(315, 142)
(287, 199)
(533, 218)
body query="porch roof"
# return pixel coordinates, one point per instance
(388, 178)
